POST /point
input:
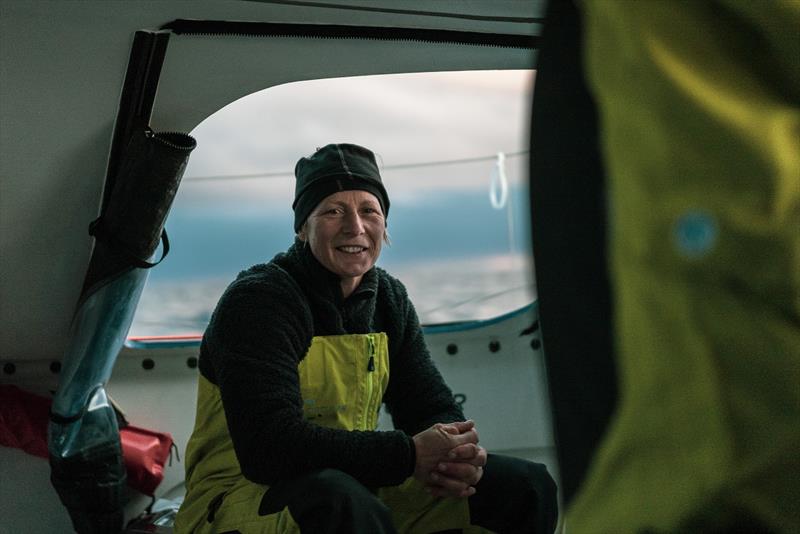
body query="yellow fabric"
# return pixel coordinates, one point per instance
(700, 121)
(339, 391)
(211, 464)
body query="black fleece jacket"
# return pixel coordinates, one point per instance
(262, 328)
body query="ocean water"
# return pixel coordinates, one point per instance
(442, 291)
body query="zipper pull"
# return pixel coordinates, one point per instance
(371, 348)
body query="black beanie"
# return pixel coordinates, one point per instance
(333, 168)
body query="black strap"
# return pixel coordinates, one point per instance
(61, 420)
(98, 230)
(174, 448)
(347, 31)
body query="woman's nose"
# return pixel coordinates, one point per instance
(353, 223)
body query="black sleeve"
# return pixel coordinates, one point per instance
(417, 396)
(258, 335)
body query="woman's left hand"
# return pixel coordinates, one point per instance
(468, 453)
(460, 472)
(456, 479)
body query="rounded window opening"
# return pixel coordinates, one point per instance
(453, 153)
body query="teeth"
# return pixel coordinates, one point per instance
(351, 250)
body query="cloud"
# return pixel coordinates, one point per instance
(404, 118)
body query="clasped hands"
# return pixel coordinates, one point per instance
(449, 460)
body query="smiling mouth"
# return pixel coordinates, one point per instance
(351, 249)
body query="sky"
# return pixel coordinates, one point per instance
(441, 218)
(436, 211)
(403, 118)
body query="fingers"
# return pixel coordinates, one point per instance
(463, 452)
(457, 442)
(454, 480)
(462, 426)
(464, 472)
(441, 485)
(469, 453)
(433, 444)
(457, 427)
(468, 436)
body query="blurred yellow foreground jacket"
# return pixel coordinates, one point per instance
(700, 117)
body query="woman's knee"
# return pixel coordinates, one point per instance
(339, 487)
(541, 480)
(324, 487)
(515, 492)
(345, 504)
(335, 482)
(328, 500)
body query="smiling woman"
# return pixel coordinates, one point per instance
(297, 356)
(340, 210)
(461, 249)
(345, 233)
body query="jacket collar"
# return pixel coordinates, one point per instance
(324, 281)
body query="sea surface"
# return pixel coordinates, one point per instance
(442, 291)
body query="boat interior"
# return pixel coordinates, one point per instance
(77, 79)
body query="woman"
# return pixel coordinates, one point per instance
(295, 363)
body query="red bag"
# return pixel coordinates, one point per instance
(23, 425)
(23, 420)
(145, 452)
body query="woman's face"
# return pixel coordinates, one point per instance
(344, 232)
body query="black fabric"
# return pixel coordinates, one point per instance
(333, 168)
(98, 230)
(515, 496)
(91, 486)
(136, 101)
(130, 226)
(262, 328)
(569, 231)
(328, 501)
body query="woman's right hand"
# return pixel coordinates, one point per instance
(433, 447)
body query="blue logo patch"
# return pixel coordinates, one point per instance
(695, 234)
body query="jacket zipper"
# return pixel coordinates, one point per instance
(369, 379)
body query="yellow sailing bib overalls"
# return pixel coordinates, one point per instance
(342, 381)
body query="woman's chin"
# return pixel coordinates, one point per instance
(353, 270)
